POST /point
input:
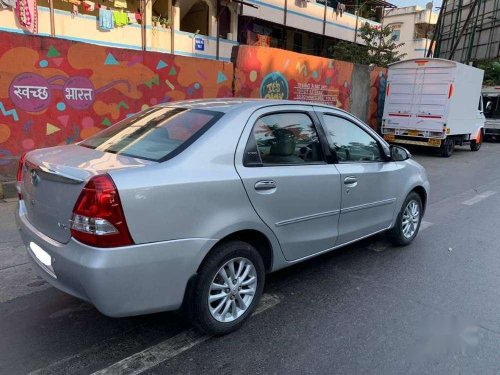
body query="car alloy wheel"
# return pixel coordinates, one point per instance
(232, 290)
(411, 218)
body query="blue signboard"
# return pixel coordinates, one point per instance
(199, 44)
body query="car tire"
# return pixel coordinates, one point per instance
(402, 233)
(475, 145)
(448, 147)
(238, 306)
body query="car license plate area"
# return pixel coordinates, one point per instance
(434, 142)
(413, 133)
(390, 137)
(43, 258)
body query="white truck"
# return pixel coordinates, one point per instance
(433, 102)
(491, 100)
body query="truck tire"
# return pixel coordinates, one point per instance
(447, 147)
(475, 145)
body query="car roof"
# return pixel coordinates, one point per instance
(230, 104)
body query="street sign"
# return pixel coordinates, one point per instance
(199, 44)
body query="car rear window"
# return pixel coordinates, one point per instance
(156, 134)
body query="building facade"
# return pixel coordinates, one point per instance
(191, 27)
(412, 26)
(469, 30)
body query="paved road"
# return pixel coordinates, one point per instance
(432, 307)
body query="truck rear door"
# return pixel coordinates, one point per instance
(432, 97)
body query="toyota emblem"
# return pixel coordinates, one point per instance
(34, 178)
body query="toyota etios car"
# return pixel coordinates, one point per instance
(192, 203)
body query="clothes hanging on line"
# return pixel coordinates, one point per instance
(131, 17)
(120, 4)
(339, 9)
(7, 4)
(106, 19)
(88, 6)
(120, 17)
(74, 11)
(27, 14)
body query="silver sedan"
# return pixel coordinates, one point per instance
(190, 204)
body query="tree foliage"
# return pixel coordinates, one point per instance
(491, 72)
(378, 47)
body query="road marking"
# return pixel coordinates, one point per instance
(479, 198)
(165, 350)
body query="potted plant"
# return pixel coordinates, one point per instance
(164, 22)
(155, 20)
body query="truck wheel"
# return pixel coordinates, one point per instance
(227, 289)
(475, 145)
(447, 147)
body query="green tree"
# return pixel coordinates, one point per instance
(378, 47)
(491, 72)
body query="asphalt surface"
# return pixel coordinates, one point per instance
(430, 308)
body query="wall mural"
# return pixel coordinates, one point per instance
(54, 91)
(378, 82)
(279, 74)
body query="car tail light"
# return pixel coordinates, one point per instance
(20, 175)
(98, 218)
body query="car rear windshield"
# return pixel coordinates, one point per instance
(156, 134)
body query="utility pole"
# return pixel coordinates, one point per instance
(427, 27)
(218, 30)
(172, 26)
(52, 24)
(356, 9)
(285, 12)
(324, 30)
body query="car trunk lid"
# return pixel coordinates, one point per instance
(53, 179)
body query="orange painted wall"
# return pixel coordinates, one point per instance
(274, 73)
(35, 72)
(121, 82)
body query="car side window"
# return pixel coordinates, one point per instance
(349, 141)
(285, 138)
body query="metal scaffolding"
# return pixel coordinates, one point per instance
(468, 30)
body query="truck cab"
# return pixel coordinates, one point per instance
(491, 110)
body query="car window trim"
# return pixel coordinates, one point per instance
(251, 139)
(337, 161)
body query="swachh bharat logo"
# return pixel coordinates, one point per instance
(274, 86)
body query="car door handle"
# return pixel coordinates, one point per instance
(351, 181)
(265, 185)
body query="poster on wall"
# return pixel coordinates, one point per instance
(281, 74)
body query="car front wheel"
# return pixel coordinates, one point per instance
(408, 221)
(228, 288)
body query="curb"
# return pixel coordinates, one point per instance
(8, 190)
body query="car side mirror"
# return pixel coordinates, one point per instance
(399, 153)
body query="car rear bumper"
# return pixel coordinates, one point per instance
(415, 141)
(124, 281)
